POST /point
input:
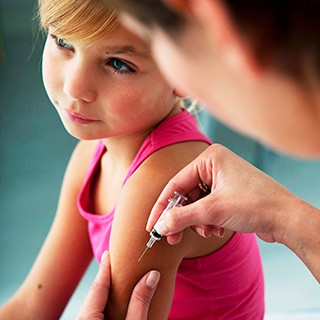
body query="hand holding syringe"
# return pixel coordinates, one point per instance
(176, 201)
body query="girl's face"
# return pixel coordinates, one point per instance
(109, 88)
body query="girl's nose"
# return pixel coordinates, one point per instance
(79, 82)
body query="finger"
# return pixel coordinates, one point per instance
(203, 231)
(208, 231)
(175, 238)
(218, 232)
(97, 297)
(185, 182)
(142, 295)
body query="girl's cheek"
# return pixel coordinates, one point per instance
(45, 63)
(50, 72)
(46, 70)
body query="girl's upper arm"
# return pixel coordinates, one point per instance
(64, 255)
(129, 237)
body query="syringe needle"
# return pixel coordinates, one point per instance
(144, 251)
(177, 200)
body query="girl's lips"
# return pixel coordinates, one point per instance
(78, 118)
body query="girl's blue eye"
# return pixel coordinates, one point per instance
(120, 66)
(63, 44)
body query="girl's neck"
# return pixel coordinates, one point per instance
(122, 149)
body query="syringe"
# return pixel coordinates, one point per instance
(176, 201)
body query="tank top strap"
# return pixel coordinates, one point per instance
(181, 127)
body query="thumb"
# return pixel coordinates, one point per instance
(142, 295)
(97, 297)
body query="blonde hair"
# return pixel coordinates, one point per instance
(75, 21)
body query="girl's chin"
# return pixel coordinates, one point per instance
(81, 134)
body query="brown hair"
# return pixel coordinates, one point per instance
(283, 33)
(75, 21)
(150, 13)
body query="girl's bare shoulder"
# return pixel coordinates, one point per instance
(80, 160)
(174, 157)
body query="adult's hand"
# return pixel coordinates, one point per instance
(240, 198)
(96, 300)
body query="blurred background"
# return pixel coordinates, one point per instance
(34, 151)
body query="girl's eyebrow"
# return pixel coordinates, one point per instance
(130, 50)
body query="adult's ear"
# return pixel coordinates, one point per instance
(223, 34)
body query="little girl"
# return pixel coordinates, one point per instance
(134, 137)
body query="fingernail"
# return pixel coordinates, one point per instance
(199, 231)
(153, 279)
(103, 257)
(207, 234)
(221, 233)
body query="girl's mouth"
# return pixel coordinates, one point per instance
(78, 117)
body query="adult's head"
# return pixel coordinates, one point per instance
(254, 64)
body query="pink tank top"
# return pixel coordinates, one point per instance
(227, 284)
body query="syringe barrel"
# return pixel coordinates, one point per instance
(177, 200)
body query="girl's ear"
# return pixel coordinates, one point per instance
(179, 93)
